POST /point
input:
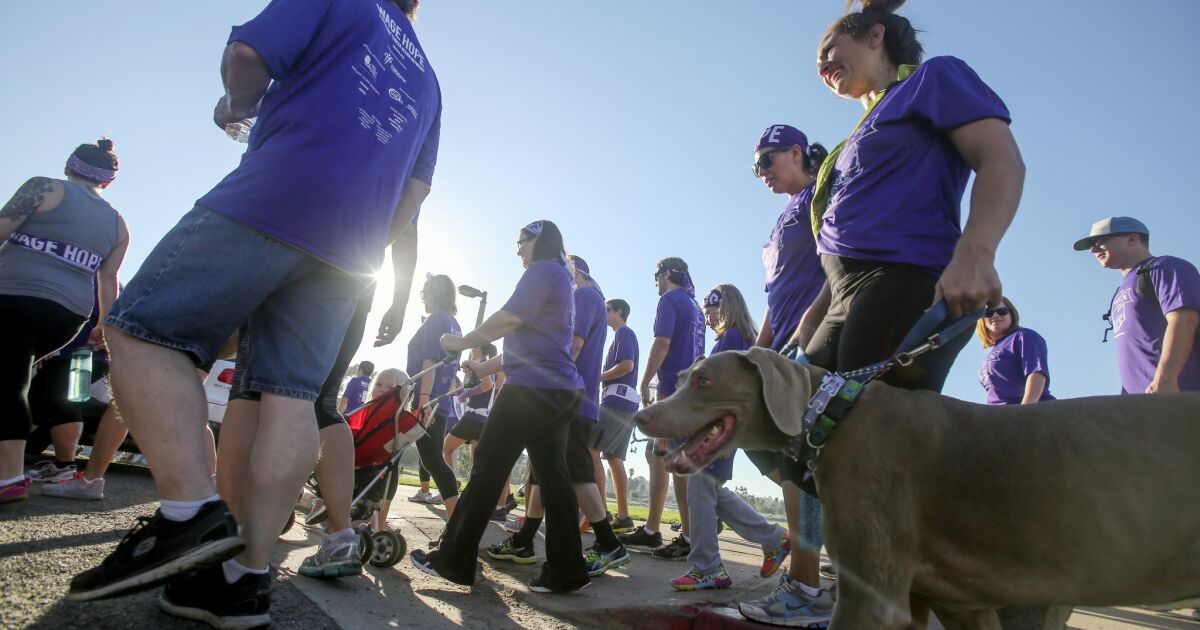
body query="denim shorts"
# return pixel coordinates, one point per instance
(210, 274)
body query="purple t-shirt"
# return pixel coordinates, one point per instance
(679, 319)
(794, 273)
(898, 182)
(1009, 364)
(624, 348)
(356, 392)
(731, 340)
(426, 345)
(353, 112)
(538, 353)
(1139, 326)
(591, 323)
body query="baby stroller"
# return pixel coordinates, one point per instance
(383, 429)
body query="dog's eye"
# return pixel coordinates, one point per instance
(703, 381)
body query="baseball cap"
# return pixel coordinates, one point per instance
(781, 136)
(1111, 225)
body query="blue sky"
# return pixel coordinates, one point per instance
(632, 127)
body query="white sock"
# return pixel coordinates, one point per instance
(234, 570)
(7, 482)
(183, 510)
(808, 590)
(345, 533)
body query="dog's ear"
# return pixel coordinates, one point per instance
(785, 388)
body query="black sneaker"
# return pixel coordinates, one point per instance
(158, 549)
(424, 560)
(511, 503)
(677, 550)
(499, 515)
(205, 596)
(509, 550)
(640, 541)
(622, 525)
(828, 572)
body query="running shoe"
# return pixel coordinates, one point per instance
(337, 556)
(789, 605)
(695, 581)
(640, 541)
(622, 525)
(77, 487)
(206, 596)
(15, 491)
(513, 525)
(317, 514)
(49, 470)
(677, 551)
(509, 550)
(828, 572)
(598, 562)
(536, 585)
(499, 515)
(158, 549)
(424, 560)
(422, 497)
(510, 504)
(773, 558)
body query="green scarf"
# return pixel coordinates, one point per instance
(825, 174)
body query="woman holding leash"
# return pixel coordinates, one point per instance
(532, 412)
(886, 206)
(1016, 371)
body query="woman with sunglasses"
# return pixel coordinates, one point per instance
(533, 412)
(424, 351)
(1016, 371)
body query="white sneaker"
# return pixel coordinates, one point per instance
(421, 497)
(76, 487)
(48, 470)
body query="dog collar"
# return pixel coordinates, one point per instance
(826, 409)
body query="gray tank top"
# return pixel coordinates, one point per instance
(54, 255)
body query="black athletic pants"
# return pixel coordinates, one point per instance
(536, 420)
(33, 328)
(429, 447)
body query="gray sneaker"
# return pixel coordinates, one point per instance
(337, 556)
(788, 605)
(76, 487)
(48, 470)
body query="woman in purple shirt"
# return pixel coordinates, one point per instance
(532, 412)
(1016, 370)
(886, 206)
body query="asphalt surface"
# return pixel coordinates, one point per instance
(45, 541)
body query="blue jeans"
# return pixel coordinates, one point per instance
(210, 274)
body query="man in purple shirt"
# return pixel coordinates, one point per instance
(356, 390)
(347, 111)
(618, 404)
(678, 341)
(1154, 313)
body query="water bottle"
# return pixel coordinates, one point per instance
(79, 380)
(240, 131)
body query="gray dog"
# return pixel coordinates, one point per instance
(964, 507)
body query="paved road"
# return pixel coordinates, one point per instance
(44, 541)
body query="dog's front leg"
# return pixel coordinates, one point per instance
(881, 602)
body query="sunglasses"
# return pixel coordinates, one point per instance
(1003, 311)
(764, 161)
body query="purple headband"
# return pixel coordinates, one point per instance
(534, 228)
(94, 173)
(686, 280)
(713, 298)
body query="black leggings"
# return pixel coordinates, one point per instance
(522, 418)
(873, 307)
(429, 447)
(33, 328)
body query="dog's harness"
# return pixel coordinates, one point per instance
(838, 392)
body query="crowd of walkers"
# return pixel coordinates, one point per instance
(870, 236)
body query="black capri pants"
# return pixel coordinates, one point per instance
(34, 328)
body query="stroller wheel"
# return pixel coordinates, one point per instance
(288, 525)
(389, 548)
(366, 543)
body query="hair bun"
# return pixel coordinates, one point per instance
(880, 6)
(105, 144)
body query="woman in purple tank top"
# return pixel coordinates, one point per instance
(55, 237)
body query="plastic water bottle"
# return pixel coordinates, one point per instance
(79, 380)
(240, 131)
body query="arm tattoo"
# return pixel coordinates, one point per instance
(27, 199)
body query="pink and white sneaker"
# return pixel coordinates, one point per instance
(15, 491)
